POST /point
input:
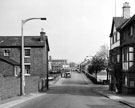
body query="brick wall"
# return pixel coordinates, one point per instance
(31, 84)
(6, 69)
(37, 60)
(10, 86)
(14, 53)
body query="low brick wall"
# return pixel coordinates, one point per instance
(31, 84)
(10, 86)
(126, 90)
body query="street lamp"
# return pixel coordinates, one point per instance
(22, 74)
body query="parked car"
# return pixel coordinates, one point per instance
(50, 78)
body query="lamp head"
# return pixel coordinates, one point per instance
(43, 18)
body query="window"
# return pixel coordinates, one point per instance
(114, 38)
(27, 69)
(125, 55)
(27, 52)
(127, 58)
(131, 56)
(111, 40)
(118, 36)
(16, 70)
(6, 52)
(118, 58)
(126, 80)
(131, 31)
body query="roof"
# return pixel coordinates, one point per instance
(10, 61)
(130, 20)
(13, 41)
(117, 21)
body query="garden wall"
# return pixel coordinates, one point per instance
(10, 86)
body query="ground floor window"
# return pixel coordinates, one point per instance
(17, 70)
(126, 81)
(27, 69)
(127, 57)
(132, 83)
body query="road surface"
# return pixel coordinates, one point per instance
(70, 93)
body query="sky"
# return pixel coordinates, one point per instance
(75, 28)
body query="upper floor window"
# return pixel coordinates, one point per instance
(131, 31)
(27, 52)
(6, 52)
(118, 36)
(115, 38)
(111, 40)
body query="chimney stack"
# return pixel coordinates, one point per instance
(126, 10)
(42, 35)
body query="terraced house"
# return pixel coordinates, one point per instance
(122, 44)
(36, 55)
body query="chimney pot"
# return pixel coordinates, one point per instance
(126, 10)
(42, 35)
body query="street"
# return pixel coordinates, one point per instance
(71, 92)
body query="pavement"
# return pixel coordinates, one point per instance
(103, 90)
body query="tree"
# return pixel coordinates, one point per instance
(91, 69)
(97, 64)
(104, 54)
(99, 61)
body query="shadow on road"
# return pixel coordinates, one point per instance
(72, 90)
(81, 83)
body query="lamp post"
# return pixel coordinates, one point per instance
(22, 66)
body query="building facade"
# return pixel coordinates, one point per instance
(56, 65)
(36, 50)
(122, 52)
(127, 32)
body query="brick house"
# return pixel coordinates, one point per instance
(127, 31)
(122, 42)
(115, 49)
(115, 53)
(56, 65)
(35, 58)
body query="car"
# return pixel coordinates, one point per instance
(67, 75)
(50, 78)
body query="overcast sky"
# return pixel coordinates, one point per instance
(75, 28)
